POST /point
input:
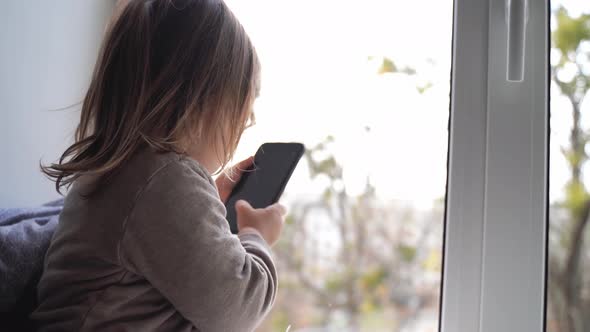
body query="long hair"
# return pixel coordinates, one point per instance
(167, 70)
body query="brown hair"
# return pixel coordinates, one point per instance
(167, 70)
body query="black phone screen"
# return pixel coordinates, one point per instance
(263, 184)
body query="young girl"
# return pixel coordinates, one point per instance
(143, 243)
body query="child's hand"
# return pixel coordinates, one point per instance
(225, 184)
(268, 222)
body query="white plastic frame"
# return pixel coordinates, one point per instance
(495, 236)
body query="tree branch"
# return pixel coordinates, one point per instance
(570, 274)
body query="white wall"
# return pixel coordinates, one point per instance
(47, 53)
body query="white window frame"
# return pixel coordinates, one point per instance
(496, 219)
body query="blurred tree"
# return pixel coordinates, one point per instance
(345, 260)
(568, 299)
(371, 267)
(387, 65)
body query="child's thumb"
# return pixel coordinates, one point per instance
(243, 206)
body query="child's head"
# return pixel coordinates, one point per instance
(170, 74)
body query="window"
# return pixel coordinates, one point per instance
(381, 235)
(495, 232)
(366, 87)
(569, 259)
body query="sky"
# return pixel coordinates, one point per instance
(317, 81)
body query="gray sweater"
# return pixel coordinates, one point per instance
(152, 251)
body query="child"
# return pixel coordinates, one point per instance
(143, 243)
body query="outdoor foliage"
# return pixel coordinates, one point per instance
(356, 263)
(569, 263)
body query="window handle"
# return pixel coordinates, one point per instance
(516, 21)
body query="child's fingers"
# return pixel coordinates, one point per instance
(243, 206)
(244, 164)
(281, 209)
(224, 186)
(226, 182)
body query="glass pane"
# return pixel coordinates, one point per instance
(365, 86)
(568, 306)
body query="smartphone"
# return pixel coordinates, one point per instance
(263, 184)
